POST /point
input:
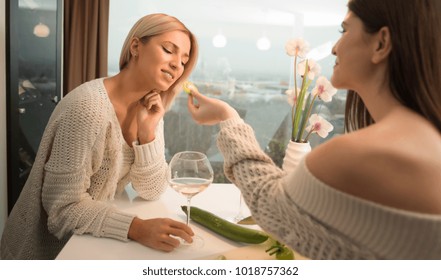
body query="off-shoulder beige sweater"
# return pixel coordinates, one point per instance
(315, 219)
(83, 160)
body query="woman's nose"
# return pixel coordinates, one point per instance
(333, 51)
(175, 63)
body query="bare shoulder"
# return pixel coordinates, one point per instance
(393, 172)
(336, 161)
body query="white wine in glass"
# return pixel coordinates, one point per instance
(190, 173)
(189, 187)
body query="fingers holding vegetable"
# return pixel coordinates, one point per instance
(207, 110)
(189, 87)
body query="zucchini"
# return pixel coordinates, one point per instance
(225, 228)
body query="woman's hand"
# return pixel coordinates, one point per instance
(208, 110)
(158, 233)
(150, 110)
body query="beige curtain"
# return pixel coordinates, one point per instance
(86, 25)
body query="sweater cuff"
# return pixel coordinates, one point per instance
(146, 154)
(117, 225)
(231, 122)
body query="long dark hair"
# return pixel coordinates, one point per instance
(415, 59)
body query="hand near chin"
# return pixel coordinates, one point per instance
(160, 233)
(149, 112)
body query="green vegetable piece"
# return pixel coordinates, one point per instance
(188, 86)
(285, 254)
(225, 228)
(281, 251)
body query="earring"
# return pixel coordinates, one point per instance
(135, 54)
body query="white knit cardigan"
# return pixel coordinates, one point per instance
(83, 160)
(315, 219)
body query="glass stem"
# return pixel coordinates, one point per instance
(188, 209)
(239, 213)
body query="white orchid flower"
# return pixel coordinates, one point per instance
(319, 125)
(313, 68)
(297, 47)
(292, 97)
(324, 89)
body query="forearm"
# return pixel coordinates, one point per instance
(149, 181)
(237, 143)
(149, 170)
(247, 166)
(261, 184)
(71, 209)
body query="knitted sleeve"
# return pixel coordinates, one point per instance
(264, 187)
(77, 126)
(148, 172)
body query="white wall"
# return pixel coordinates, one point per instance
(3, 185)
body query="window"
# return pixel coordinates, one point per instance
(242, 61)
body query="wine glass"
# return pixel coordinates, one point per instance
(190, 173)
(239, 216)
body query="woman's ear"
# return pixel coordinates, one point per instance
(134, 46)
(383, 45)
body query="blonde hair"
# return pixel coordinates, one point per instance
(153, 25)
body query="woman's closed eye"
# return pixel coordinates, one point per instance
(174, 50)
(167, 50)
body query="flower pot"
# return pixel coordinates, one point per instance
(293, 154)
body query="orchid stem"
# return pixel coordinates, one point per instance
(302, 128)
(294, 107)
(295, 78)
(299, 104)
(309, 134)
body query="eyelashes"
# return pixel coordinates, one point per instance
(166, 50)
(342, 28)
(170, 52)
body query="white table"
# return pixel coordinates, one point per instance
(220, 199)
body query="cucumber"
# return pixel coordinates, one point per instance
(225, 228)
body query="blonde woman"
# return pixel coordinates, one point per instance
(102, 135)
